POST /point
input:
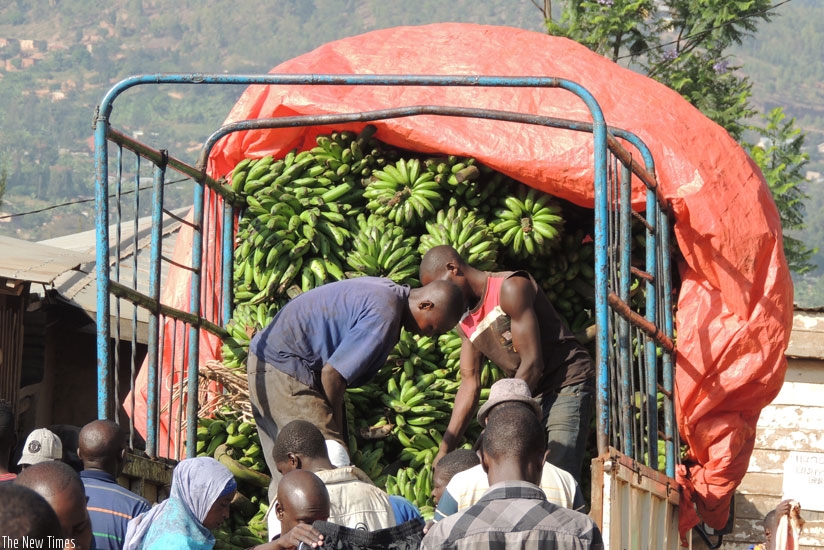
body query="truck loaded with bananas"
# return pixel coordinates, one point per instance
(353, 206)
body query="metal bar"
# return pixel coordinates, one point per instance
(157, 157)
(598, 129)
(652, 316)
(384, 114)
(638, 320)
(171, 374)
(135, 232)
(194, 307)
(226, 248)
(154, 293)
(625, 351)
(158, 308)
(601, 281)
(183, 397)
(170, 261)
(101, 176)
(177, 218)
(118, 236)
(667, 359)
(645, 174)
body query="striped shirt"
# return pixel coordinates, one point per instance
(110, 508)
(514, 514)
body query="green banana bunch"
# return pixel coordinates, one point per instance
(466, 233)
(403, 192)
(234, 442)
(529, 222)
(380, 248)
(567, 277)
(368, 458)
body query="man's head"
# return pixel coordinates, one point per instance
(302, 498)
(8, 434)
(452, 463)
(514, 444)
(101, 446)
(300, 445)
(434, 308)
(60, 485)
(26, 514)
(42, 445)
(443, 263)
(769, 527)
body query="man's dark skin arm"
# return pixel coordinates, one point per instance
(300, 533)
(466, 399)
(334, 387)
(518, 301)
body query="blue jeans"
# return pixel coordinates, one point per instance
(567, 414)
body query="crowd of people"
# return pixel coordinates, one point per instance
(517, 487)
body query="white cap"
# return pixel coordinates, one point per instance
(42, 445)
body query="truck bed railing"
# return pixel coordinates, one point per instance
(634, 341)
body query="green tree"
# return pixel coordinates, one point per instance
(683, 44)
(781, 159)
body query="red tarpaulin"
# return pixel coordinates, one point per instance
(735, 302)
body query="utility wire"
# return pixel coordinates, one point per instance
(82, 201)
(704, 32)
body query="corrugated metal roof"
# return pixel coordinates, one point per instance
(80, 287)
(35, 262)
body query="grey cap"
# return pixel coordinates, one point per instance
(508, 389)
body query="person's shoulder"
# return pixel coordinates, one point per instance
(470, 476)
(571, 519)
(518, 283)
(439, 532)
(553, 473)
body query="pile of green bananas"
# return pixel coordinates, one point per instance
(354, 206)
(234, 443)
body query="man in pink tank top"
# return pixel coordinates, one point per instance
(511, 322)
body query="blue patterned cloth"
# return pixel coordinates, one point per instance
(177, 522)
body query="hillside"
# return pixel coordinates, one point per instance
(58, 58)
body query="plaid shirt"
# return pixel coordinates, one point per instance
(514, 514)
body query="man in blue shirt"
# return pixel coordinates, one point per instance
(332, 337)
(102, 448)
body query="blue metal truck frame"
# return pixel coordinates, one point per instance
(620, 330)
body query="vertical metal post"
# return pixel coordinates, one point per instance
(652, 316)
(135, 240)
(667, 360)
(599, 134)
(194, 307)
(152, 417)
(227, 251)
(625, 349)
(101, 176)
